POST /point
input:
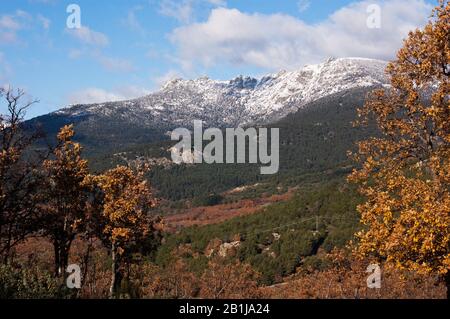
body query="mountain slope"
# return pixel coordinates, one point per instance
(241, 101)
(313, 141)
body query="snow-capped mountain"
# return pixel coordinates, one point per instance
(240, 101)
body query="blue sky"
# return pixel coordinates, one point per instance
(126, 49)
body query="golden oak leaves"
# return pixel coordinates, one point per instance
(127, 199)
(405, 173)
(68, 183)
(68, 161)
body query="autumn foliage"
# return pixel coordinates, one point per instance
(127, 200)
(54, 196)
(405, 173)
(222, 278)
(54, 211)
(345, 277)
(65, 196)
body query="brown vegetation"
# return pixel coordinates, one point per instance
(405, 173)
(54, 212)
(346, 278)
(219, 213)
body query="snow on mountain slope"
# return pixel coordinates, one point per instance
(243, 100)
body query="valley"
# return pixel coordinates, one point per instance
(308, 199)
(270, 233)
(308, 203)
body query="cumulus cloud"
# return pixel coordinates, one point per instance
(97, 95)
(88, 36)
(274, 41)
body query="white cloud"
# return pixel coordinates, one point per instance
(184, 10)
(89, 36)
(75, 53)
(43, 1)
(152, 53)
(8, 22)
(281, 41)
(5, 70)
(93, 95)
(95, 41)
(132, 91)
(303, 5)
(45, 22)
(2, 57)
(8, 37)
(169, 75)
(179, 10)
(97, 95)
(132, 22)
(23, 15)
(11, 24)
(114, 64)
(219, 3)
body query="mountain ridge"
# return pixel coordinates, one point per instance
(242, 100)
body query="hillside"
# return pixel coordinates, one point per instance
(314, 109)
(281, 237)
(313, 141)
(240, 101)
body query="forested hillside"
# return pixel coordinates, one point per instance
(279, 238)
(313, 140)
(93, 206)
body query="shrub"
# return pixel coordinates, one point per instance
(17, 282)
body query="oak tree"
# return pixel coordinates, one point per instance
(66, 196)
(126, 225)
(405, 172)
